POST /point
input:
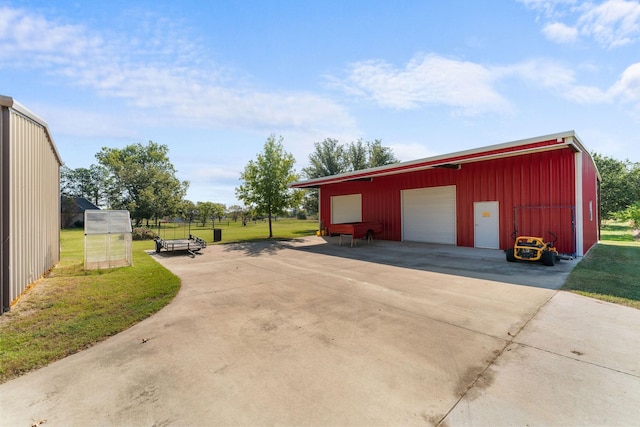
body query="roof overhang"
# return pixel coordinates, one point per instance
(8, 102)
(456, 160)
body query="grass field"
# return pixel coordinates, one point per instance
(72, 309)
(611, 270)
(234, 231)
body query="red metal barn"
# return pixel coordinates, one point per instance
(476, 198)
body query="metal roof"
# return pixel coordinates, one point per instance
(7, 101)
(455, 160)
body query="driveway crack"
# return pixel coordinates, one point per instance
(493, 360)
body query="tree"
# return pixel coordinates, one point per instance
(620, 186)
(267, 179)
(218, 211)
(187, 210)
(142, 180)
(204, 211)
(357, 156)
(632, 213)
(235, 212)
(328, 158)
(365, 154)
(379, 155)
(91, 183)
(331, 158)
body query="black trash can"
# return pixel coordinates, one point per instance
(217, 234)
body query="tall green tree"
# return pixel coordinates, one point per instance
(188, 211)
(327, 158)
(378, 155)
(91, 183)
(620, 186)
(235, 212)
(219, 209)
(366, 154)
(142, 180)
(266, 181)
(205, 210)
(331, 158)
(357, 158)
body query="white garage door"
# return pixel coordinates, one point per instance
(429, 215)
(346, 209)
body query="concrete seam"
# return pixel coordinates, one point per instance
(492, 362)
(578, 360)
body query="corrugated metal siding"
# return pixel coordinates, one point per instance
(540, 179)
(4, 209)
(539, 186)
(590, 202)
(34, 198)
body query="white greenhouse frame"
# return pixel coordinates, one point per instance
(107, 239)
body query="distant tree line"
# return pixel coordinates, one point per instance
(138, 178)
(141, 179)
(620, 188)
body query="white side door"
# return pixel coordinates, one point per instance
(487, 225)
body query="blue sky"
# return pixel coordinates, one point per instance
(213, 79)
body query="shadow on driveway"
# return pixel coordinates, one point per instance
(487, 264)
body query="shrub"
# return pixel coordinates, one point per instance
(143, 233)
(632, 213)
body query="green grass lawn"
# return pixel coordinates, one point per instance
(611, 270)
(234, 231)
(72, 309)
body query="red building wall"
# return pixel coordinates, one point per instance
(533, 180)
(590, 203)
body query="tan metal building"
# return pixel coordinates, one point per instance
(30, 195)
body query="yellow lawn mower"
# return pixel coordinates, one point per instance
(528, 248)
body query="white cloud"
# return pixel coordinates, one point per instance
(545, 73)
(611, 23)
(548, 6)
(559, 78)
(159, 71)
(560, 33)
(25, 35)
(627, 88)
(466, 87)
(470, 88)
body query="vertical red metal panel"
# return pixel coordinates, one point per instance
(545, 199)
(590, 203)
(531, 180)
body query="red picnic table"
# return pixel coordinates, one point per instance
(357, 230)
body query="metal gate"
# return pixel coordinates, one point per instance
(541, 220)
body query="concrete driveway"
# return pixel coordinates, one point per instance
(311, 333)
